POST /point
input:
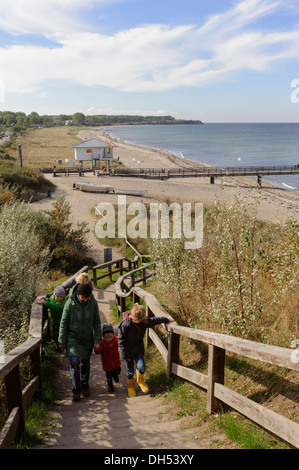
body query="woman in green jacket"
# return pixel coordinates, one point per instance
(80, 331)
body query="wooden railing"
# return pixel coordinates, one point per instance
(204, 171)
(125, 283)
(213, 382)
(17, 398)
(117, 266)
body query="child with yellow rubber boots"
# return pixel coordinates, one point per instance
(131, 332)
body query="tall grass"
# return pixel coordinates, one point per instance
(242, 281)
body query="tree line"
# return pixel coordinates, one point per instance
(19, 120)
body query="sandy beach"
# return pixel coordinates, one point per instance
(274, 204)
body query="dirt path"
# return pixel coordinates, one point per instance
(112, 420)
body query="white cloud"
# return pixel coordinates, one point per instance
(49, 18)
(152, 57)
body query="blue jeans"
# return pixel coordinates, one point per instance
(140, 366)
(80, 369)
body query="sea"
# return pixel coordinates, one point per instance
(223, 144)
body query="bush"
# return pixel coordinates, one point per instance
(19, 177)
(5, 156)
(23, 264)
(243, 281)
(31, 244)
(67, 244)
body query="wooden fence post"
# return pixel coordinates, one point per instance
(36, 369)
(14, 396)
(173, 351)
(110, 272)
(122, 305)
(215, 374)
(45, 318)
(136, 298)
(149, 314)
(94, 275)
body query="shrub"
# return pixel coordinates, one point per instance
(19, 177)
(66, 243)
(23, 264)
(242, 281)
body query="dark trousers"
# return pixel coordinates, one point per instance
(113, 374)
(80, 369)
(56, 332)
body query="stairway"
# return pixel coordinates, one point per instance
(112, 420)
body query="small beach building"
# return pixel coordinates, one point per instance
(95, 151)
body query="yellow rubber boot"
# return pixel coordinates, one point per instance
(141, 382)
(131, 388)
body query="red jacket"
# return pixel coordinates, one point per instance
(109, 354)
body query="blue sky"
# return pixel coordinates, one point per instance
(217, 61)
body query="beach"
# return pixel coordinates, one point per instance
(272, 204)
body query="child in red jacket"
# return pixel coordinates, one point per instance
(109, 355)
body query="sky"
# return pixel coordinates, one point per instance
(212, 60)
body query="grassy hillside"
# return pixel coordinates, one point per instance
(44, 147)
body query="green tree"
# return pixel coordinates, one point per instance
(35, 118)
(78, 119)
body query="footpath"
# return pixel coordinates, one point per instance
(112, 420)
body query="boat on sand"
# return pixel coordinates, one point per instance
(131, 192)
(105, 188)
(93, 188)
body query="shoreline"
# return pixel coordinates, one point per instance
(272, 204)
(170, 157)
(167, 159)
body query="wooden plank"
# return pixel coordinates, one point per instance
(36, 317)
(105, 265)
(216, 366)
(268, 419)
(158, 343)
(173, 351)
(10, 428)
(30, 390)
(14, 397)
(262, 352)
(72, 280)
(36, 368)
(148, 314)
(16, 355)
(191, 375)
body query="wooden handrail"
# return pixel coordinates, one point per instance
(119, 268)
(123, 289)
(213, 382)
(18, 398)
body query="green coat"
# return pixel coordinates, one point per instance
(55, 308)
(80, 326)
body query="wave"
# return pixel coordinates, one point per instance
(288, 186)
